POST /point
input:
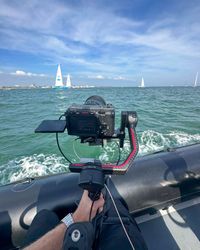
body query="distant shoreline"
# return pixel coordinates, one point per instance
(43, 87)
(87, 87)
(24, 87)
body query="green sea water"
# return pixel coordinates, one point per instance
(168, 117)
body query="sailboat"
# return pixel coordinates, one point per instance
(142, 83)
(68, 83)
(59, 78)
(196, 79)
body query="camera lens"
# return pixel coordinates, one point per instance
(95, 100)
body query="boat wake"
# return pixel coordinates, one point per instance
(150, 141)
(32, 166)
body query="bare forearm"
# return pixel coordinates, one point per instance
(53, 240)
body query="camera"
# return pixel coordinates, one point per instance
(92, 121)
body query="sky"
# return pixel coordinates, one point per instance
(100, 42)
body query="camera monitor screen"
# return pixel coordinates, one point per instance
(51, 126)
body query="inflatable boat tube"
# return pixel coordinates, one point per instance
(153, 182)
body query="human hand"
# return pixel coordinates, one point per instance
(82, 213)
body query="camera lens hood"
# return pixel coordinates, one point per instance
(95, 100)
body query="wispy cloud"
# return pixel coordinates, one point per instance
(112, 43)
(23, 73)
(97, 77)
(120, 78)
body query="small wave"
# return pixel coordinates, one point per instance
(152, 141)
(183, 139)
(32, 166)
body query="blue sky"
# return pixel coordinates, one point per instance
(104, 43)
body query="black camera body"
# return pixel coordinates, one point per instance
(90, 121)
(93, 122)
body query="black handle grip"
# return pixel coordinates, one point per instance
(94, 196)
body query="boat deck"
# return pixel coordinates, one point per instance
(177, 227)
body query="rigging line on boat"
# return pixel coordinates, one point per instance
(126, 233)
(57, 141)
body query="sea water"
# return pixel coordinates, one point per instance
(167, 117)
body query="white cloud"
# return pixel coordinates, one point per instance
(92, 41)
(42, 75)
(99, 77)
(19, 73)
(23, 73)
(55, 34)
(120, 78)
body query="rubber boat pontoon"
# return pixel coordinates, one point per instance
(161, 190)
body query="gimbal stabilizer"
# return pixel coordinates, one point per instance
(92, 173)
(93, 122)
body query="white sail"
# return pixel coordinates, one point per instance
(142, 83)
(196, 79)
(68, 83)
(59, 79)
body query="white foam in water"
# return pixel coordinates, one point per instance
(108, 152)
(184, 139)
(39, 165)
(151, 141)
(32, 166)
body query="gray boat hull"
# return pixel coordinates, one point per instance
(153, 182)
